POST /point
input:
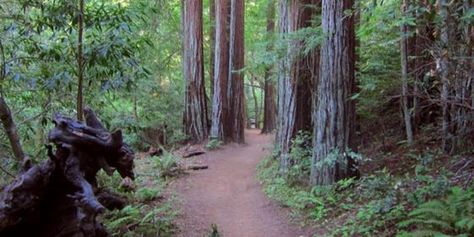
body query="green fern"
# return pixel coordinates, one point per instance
(452, 216)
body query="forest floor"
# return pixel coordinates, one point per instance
(229, 195)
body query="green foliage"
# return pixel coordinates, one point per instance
(300, 159)
(112, 183)
(149, 213)
(298, 199)
(451, 216)
(130, 84)
(213, 144)
(140, 220)
(166, 164)
(379, 64)
(369, 206)
(146, 194)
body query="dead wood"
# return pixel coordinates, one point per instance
(190, 154)
(197, 167)
(60, 196)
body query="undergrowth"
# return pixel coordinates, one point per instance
(378, 203)
(149, 213)
(213, 144)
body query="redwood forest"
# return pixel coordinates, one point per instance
(237, 118)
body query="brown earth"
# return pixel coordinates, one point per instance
(229, 195)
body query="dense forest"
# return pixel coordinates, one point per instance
(359, 113)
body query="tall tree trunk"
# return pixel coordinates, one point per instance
(295, 77)
(10, 129)
(235, 85)
(80, 63)
(221, 72)
(334, 114)
(269, 111)
(404, 65)
(423, 42)
(444, 68)
(195, 115)
(212, 16)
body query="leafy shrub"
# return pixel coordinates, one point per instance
(297, 198)
(452, 216)
(300, 158)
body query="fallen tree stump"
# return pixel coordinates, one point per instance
(60, 196)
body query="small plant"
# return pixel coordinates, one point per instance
(148, 194)
(300, 158)
(167, 164)
(140, 220)
(213, 144)
(452, 216)
(214, 231)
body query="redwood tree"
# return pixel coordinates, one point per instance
(221, 72)
(334, 113)
(228, 109)
(212, 36)
(269, 110)
(195, 115)
(235, 85)
(295, 76)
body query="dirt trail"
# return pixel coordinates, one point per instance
(228, 194)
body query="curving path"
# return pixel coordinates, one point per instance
(228, 195)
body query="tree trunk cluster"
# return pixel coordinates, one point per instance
(227, 79)
(297, 74)
(315, 89)
(60, 196)
(438, 51)
(228, 108)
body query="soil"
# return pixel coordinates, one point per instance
(229, 195)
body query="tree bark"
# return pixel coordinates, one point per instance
(80, 63)
(269, 111)
(404, 67)
(221, 73)
(334, 114)
(195, 115)
(212, 16)
(11, 130)
(235, 85)
(444, 68)
(295, 77)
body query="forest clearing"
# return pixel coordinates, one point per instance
(237, 118)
